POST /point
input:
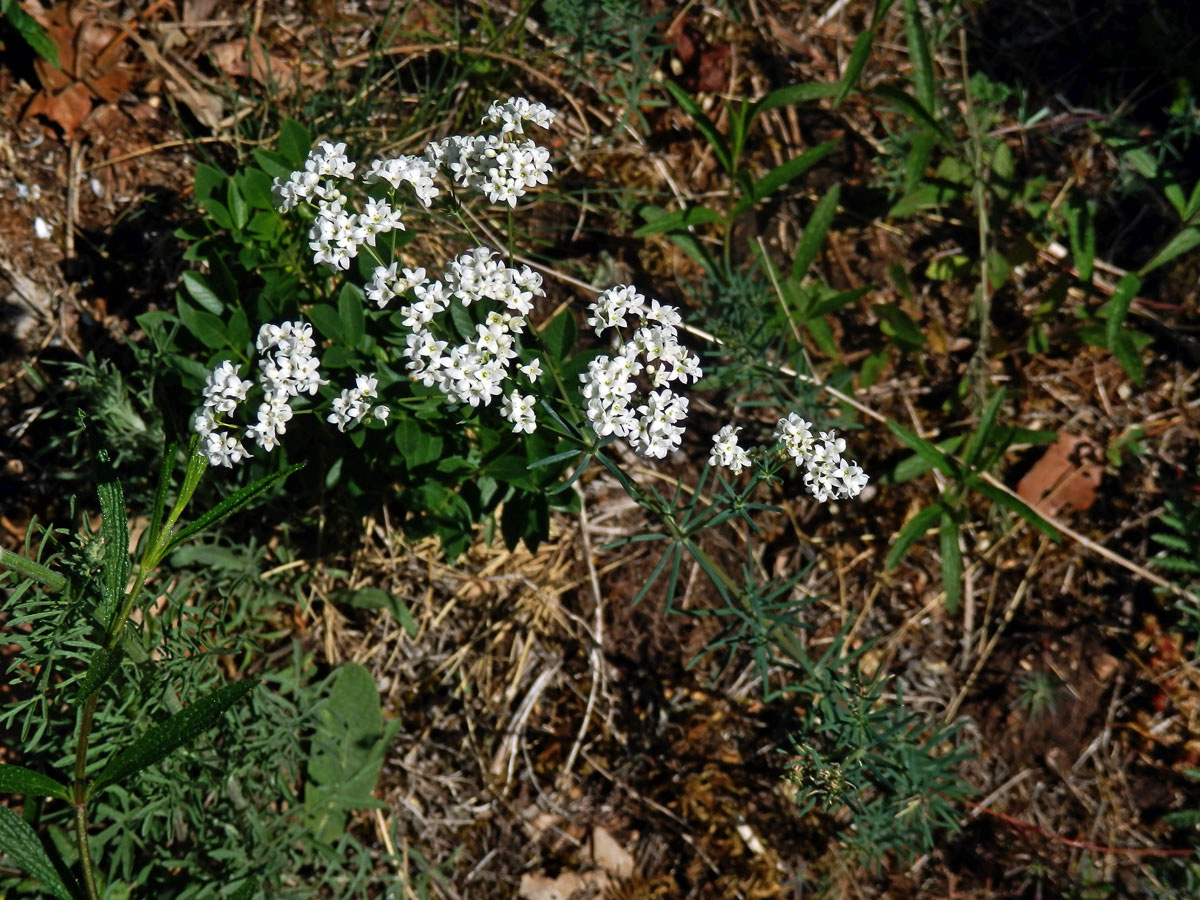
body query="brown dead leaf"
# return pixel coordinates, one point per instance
(610, 855)
(66, 108)
(239, 59)
(567, 886)
(1066, 475)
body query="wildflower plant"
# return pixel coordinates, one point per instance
(457, 356)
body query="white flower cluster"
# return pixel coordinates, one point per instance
(726, 452)
(826, 474)
(609, 386)
(475, 371)
(287, 369)
(495, 164)
(351, 405)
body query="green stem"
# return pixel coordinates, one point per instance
(85, 855)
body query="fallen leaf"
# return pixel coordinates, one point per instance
(567, 886)
(610, 855)
(1065, 475)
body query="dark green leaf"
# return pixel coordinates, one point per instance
(329, 323)
(351, 315)
(417, 445)
(164, 738)
(30, 569)
(230, 505)
(19, 780)
(375, 598)
(114, 531)
(912, 530)
(100, 668)
(789, 96)
(559, 336)
(916, 112)
(238, 210)
(935, 458)
(1118, 307)
(204, 326)
(952, 566)
(294, 142)
(918, 54)
(1126, 352)
(208, 179)
(897, 324)
(910, 468)
(854, 68)
(815, 231)
(1081, 230)
(782, 174)
(256, 188)
(20, 844)
(166, 468)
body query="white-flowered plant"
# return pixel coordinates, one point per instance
(633, 392)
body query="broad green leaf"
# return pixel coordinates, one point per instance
(204, 326)
(274, 164)
(925, 195)
(19, 780)
(659, 221)
(114, 531)
(208, 179)
(782, 174)
(982, 435)
(201, 291)
(898, 325)
(1015, 505)
(927, 451)
(351, 315)
(256, 188)
(705, 124)
(294, 142)
(952, 565)
(30, 569)
(559, 336)
(417, 445)
(815, 231)
(918, 55)
(181, 729)
(912, 530)
(1178, 245)
(347, 751)
(230, 505)
(1081, 231)
(100, 668)
(329, 323)
(20, 844)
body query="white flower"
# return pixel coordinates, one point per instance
(827, 476)
(532, 371)
(726, 452)
(518, 409)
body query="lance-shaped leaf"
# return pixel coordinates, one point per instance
(715, 139)
(782, 174)
(166, 737)
(229, 506)
(815, 231)
(20, 844)
(31, 569)
(20, 780)
(114, 531)
(101, 666)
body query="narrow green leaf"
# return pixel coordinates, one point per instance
(1126, 352)
(181, 729)
(1081, 232)
(782, 174)
(854, 68)
(833, 303)
(20, 844)
(229, 506)
(114, 531)
(31, 32)
(899, 325)
(19, 780)
(556, 458)
(1118, 307)
(166, 468)
(705, 124)
(815, 231)
(100, 668)
(791, 95)
(375, 598)
(30, 569)
(1178, 245)
(912, 530)
(918, 55)
(982, 435)
(1015, 505)
(659, 221)
(910, 468)
(915, 111)
(927, 451)
(239, 210)
(952, 565)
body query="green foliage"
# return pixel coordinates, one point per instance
(30, 31)
(855, 751)
(347, 752)
(982, 450)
